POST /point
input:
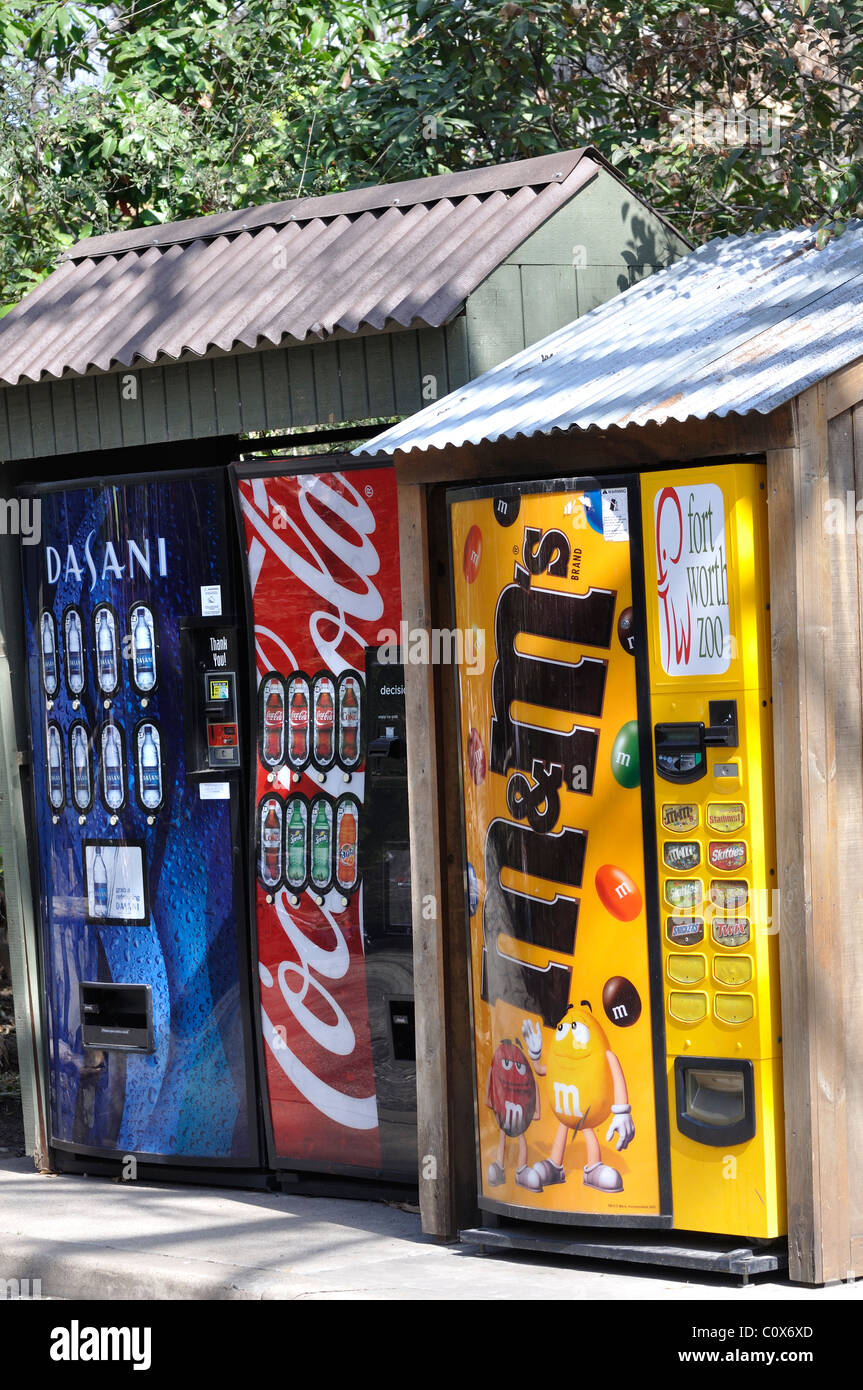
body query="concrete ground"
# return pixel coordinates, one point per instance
(94, 1238)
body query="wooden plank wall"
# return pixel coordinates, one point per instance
(280, 389)
(816, 590)
(598, 244)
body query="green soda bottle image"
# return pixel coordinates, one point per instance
(297, 845)
(321, 836)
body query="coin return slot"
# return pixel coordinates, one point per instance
(118, 1017)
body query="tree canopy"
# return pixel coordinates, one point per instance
(727, 115)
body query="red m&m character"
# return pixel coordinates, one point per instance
(511, 1093)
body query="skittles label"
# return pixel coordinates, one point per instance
(729, 856)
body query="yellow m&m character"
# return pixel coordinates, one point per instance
(585, 1085)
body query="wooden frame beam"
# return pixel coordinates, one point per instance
(818, 750)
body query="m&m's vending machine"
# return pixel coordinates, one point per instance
(617, 793)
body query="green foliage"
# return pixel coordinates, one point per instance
(129, 114)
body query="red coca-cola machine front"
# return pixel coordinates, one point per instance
(331, 910)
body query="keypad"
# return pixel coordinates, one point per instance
(706, 896)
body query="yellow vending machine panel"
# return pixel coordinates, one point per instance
(707, 604)
(565, 955)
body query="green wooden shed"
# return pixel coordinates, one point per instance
(294, 323)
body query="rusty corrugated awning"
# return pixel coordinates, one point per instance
(398, 255)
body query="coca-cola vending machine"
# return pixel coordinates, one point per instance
(137, 680)
(331, 896)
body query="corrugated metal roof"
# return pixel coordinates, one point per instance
(744, 323)
(397, 255)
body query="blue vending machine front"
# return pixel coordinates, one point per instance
(135, 657)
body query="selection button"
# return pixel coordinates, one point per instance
(732, 970)
(688, 1008)
(687, 970)
(727, 817)
(734, 1008)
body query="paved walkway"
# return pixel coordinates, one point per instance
(94, 1238)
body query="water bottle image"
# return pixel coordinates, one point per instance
(150, 767)
(80, 768)
(143, 654)
(55, 767)
(112, 768)
(100, 886)
(49, 654)
(74, 652)
(106, 651)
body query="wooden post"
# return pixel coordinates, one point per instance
(446, 1182)
(818, 750)
(21, 917)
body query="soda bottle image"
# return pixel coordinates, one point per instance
(346, 853)
(324, 721)
(349, 721)
(271, 843)
(274, 722)
(49, 654)
(143, 659)
(298, 721)
(150, 768)
(74, 653)
(100, 886)
(296, 846)
(106, 652)
(55, 767)
(80, 767)
(112, 767)
(321, 840)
